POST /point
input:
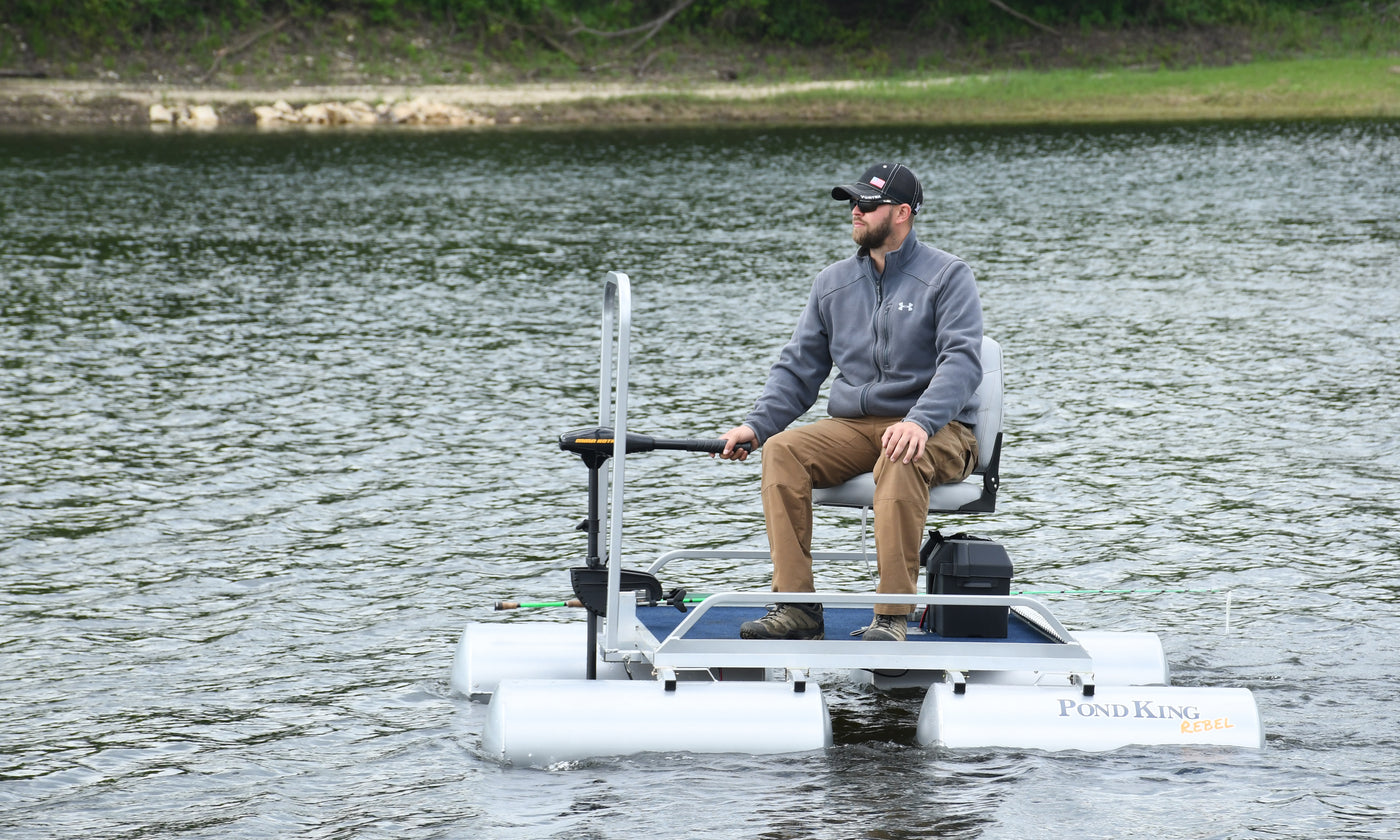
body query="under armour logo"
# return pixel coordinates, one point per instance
(906, 307)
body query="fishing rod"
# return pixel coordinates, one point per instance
(695, 599)
(1111, 591)
(574, 602)
(501, 605)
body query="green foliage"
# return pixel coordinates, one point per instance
(1209, 12)
(800, 22)
(98, 21)
(804, 22)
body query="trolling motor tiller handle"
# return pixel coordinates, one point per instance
(597, 443)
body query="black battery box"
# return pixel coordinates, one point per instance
(963, 564)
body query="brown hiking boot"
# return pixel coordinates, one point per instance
(887, 628)
(786, 621)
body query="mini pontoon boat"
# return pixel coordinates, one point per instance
(649, 669)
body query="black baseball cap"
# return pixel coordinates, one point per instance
(888, 183)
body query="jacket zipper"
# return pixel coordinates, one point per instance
(876, 332)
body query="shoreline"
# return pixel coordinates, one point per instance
(1298, 89)
(39, 103)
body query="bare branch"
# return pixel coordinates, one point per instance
(1010, 11)
(650, 27)
(244, 44)
(543, 35)
(580, 29)
(646, 63)
(660, 22)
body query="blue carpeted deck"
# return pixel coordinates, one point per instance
(723, 623)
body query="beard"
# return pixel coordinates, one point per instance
(874, 237)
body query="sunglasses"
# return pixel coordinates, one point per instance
(870, 206)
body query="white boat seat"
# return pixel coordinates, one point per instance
(978, 492)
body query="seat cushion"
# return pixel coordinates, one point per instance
(860, 492)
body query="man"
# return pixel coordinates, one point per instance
(902, 324)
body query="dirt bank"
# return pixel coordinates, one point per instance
(58, 103)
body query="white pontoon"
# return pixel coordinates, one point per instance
(646, 669)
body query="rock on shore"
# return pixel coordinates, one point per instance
(418, 111)
(196, 116)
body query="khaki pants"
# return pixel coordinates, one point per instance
(834, 449)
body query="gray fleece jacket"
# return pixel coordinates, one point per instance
(906, 344)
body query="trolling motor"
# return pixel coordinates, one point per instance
(590, 582)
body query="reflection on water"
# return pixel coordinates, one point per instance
(278, 422)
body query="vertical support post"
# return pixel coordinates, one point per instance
(612, 400)
(621, 297)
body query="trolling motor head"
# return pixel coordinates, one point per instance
(594, 445)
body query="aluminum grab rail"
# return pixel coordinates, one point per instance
(953, 655)
(742, 554)
(617, 316)
(857, 599)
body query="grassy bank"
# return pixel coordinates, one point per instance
(1300, 89)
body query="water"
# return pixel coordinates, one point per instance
(278, 416)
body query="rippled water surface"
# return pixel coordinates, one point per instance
(278, 416)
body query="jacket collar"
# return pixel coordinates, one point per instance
(894, 259)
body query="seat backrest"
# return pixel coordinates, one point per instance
(990, 411)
